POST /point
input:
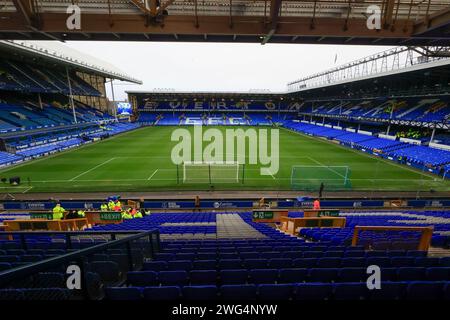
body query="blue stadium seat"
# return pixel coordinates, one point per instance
(185, 256)
(203, 277)
(46, 294)
(352, 274)
(354, 253)
(123, 293)
(333, 254)
(350, 291)
(427, 262)
(402, 261)
(229, 264)
(416, 253)
(206, 256)
(200, 292)
(313, 291)
(11, 294)
(173, 278)
(107, 270)
(162, 293)
(410, 273)
(185, 265)
(437, 274)
(312, 254)
(388, 274)
(255, 263)
(304, 263)
(293, 275)
(155, 266)
(236, 276)
(353, 262)
(249, 255)
(9, 258)
(444, 262)
(293, 254)
(5, 266)
(142, 278)
(424, 290)
(270, 255)
(388, 291)
(265, 276)
(382, 262)
(49, 280)
(279, 263)
(396, 253)
(376, 253)
(204, 264)
(322, 274)
(164, 256)
(275, 291)
(238, 292)
(328, 263)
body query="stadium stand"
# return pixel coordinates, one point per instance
(318, 265)
(421, 157)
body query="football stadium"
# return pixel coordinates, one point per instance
(336, 188)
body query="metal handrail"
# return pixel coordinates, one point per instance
(68, 234)
(16, 273)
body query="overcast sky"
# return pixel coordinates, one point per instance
(218, 66)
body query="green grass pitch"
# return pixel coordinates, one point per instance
(140, 161)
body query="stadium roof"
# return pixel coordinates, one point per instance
(62, 54)
(390, 62)
(410, 22)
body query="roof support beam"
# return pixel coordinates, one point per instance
(388, 13)
(211, 25)
(164, 6)
(433, 21)
(141, 6)
(25, 10)
(275, 6)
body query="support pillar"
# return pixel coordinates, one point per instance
(71, 96)
(113, 100)
(432, 134)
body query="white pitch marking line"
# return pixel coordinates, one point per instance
(99, 165)
(321, 164)
(149, 178)
(25, 191)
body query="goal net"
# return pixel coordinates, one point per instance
(212, 172)
(311, 177)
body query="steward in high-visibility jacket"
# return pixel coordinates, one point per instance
(111, 205)
(138, 215)
(81, 214)
(126, 215)
(104, 207)
(58, 212)
(117, 206)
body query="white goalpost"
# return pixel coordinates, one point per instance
(211, 172)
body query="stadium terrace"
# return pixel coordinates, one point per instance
(336, 189)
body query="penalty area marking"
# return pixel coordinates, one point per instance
(154, 172)
(87, 171)
(26, 190)
(322, 165)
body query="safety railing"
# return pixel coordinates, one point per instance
(133, 244)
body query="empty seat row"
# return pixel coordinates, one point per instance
(420, 290)
(206, 255)
(296, 263)
(288, 275)
(35, 294)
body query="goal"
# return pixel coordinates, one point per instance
(212, 172)
(311, 177)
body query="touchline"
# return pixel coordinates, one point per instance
(228, 148)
